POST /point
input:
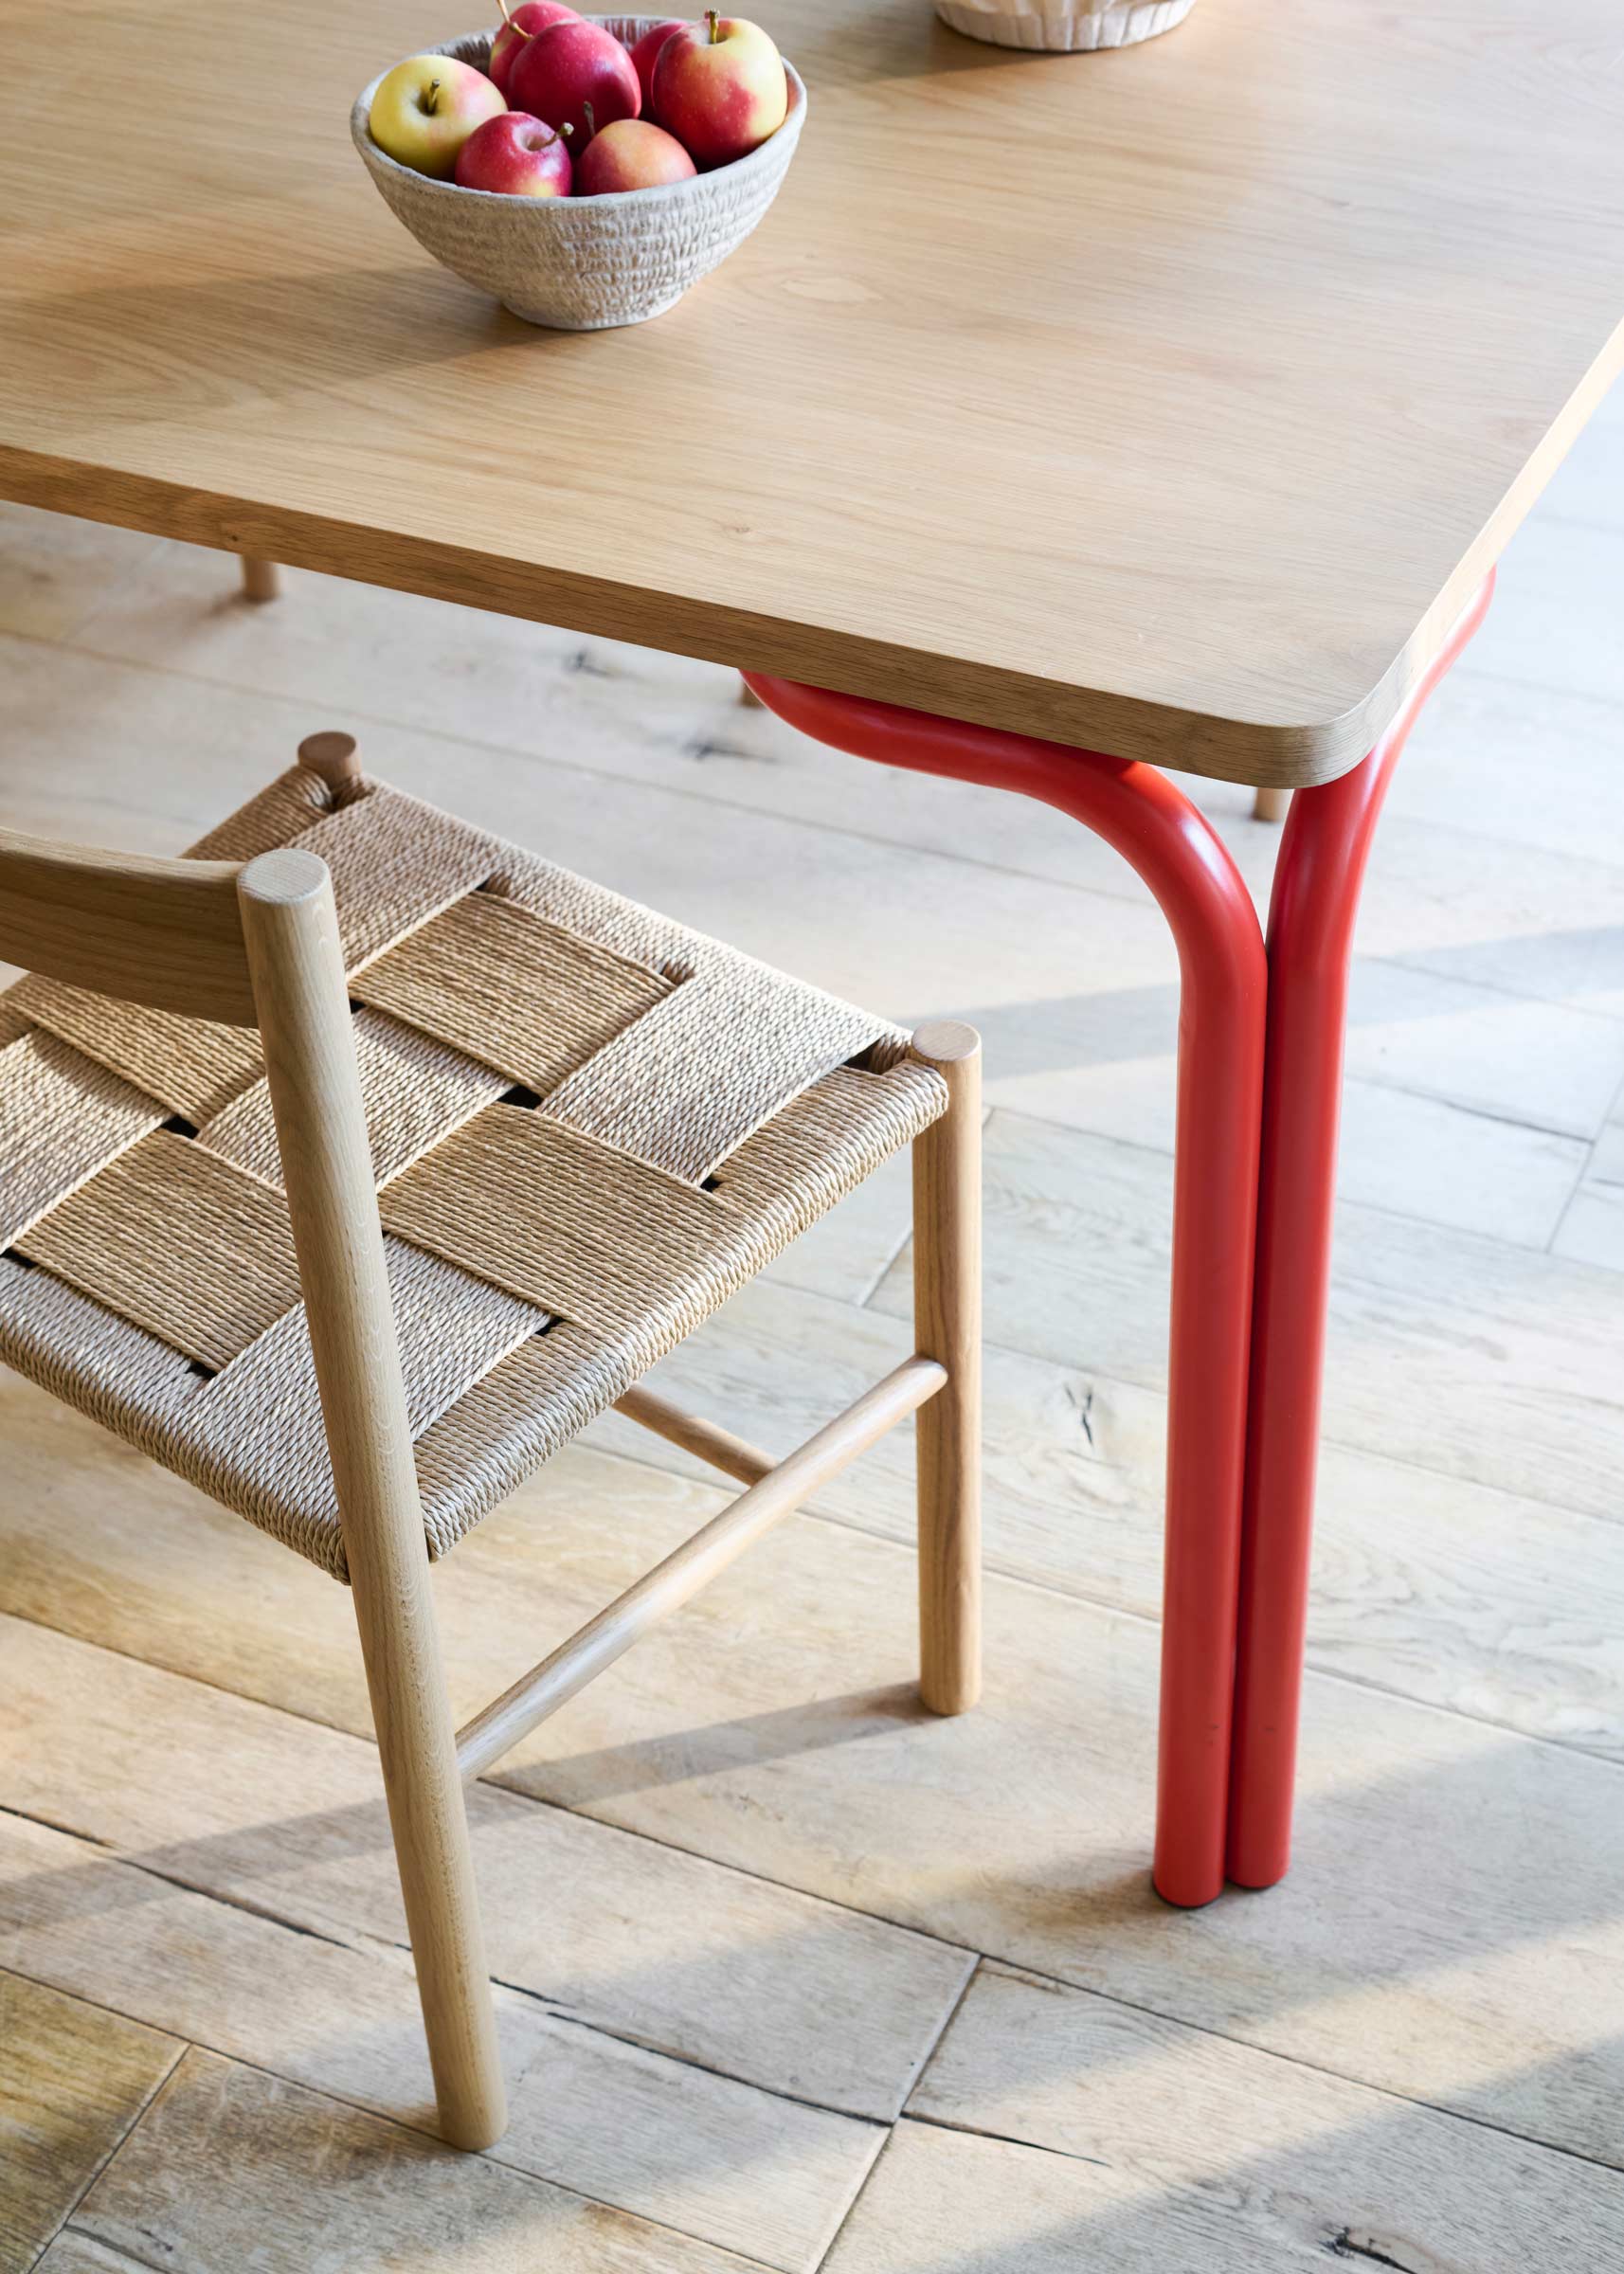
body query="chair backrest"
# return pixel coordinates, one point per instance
(257, 945)
(168, 933)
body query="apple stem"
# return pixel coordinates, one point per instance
(712, 17)
(431, 100)
(523, 31)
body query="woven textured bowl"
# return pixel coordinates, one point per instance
(1063, 26)
(584, 263)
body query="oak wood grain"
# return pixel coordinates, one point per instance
(1184, 2149)
(947, 1327)
(607, 1931)
(705, 1441)
(1448, 1350)
(745, 2170)
(164, 932)
(73, 2079)
(1186, 443)
(792, 1747)
(1471, 876)
(262, 581)
(76, 2253)
(549, 1684)
(1450, 1590)
(228, 2154)
(1013, 2209)
(290, 930)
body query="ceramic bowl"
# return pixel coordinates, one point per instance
(584, 263)
(1062, 26)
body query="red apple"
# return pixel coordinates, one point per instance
(517, 156)
(517, 24)
(559, 71)
(646, 53)
(633, 153)
(425, 109)
(720, 87)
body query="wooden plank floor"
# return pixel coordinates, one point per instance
(792, 1976)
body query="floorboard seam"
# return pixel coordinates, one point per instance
(1104, 1376)
(1143, 1619)
(931, 2051)
(849, 2211)
(1136, 895)
(1269, 2053)
(998, 1958)
(1405, 960)
(1008, 2140)
(118, 2252)
(588, 773)
(1010, 1578)
(360, 1943)
(1341, 1275)
(182, 2048)
(878, 1278)
(665, 2052)
(495, 1777)
(74, 643)
(1478, 1113)
(376, 2115)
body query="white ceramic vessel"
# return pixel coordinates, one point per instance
(1063, 26)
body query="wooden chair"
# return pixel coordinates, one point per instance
(500, 1141)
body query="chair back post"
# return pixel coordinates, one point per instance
(289, 928)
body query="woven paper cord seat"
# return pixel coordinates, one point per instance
(588, 1125)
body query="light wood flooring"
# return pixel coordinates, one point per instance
(792, 1976)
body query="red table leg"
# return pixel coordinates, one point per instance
(1220, 1066)
(1315, 900)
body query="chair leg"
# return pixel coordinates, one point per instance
(947, 1327)
(261, 581)
(290, 930)
(417, 1748)
(1270, 804)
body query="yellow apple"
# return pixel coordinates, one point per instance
(426, 108)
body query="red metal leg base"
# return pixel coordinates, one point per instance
(1317, 881)
(1220, 1070)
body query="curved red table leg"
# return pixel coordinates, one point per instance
(1317, 881)
(1221, 1069)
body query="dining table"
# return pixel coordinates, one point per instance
(1071, 422)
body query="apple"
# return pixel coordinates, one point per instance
(559, 71)
(518, 23)
(631, 153)
(646, 53)
(426, 108)
(720, 87)
(517, 156)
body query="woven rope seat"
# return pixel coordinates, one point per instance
(589, 1127)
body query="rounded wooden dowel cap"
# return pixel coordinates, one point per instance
(283, 876)
(945, 1041)
(333, 756)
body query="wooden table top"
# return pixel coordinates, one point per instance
(1167, 401)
